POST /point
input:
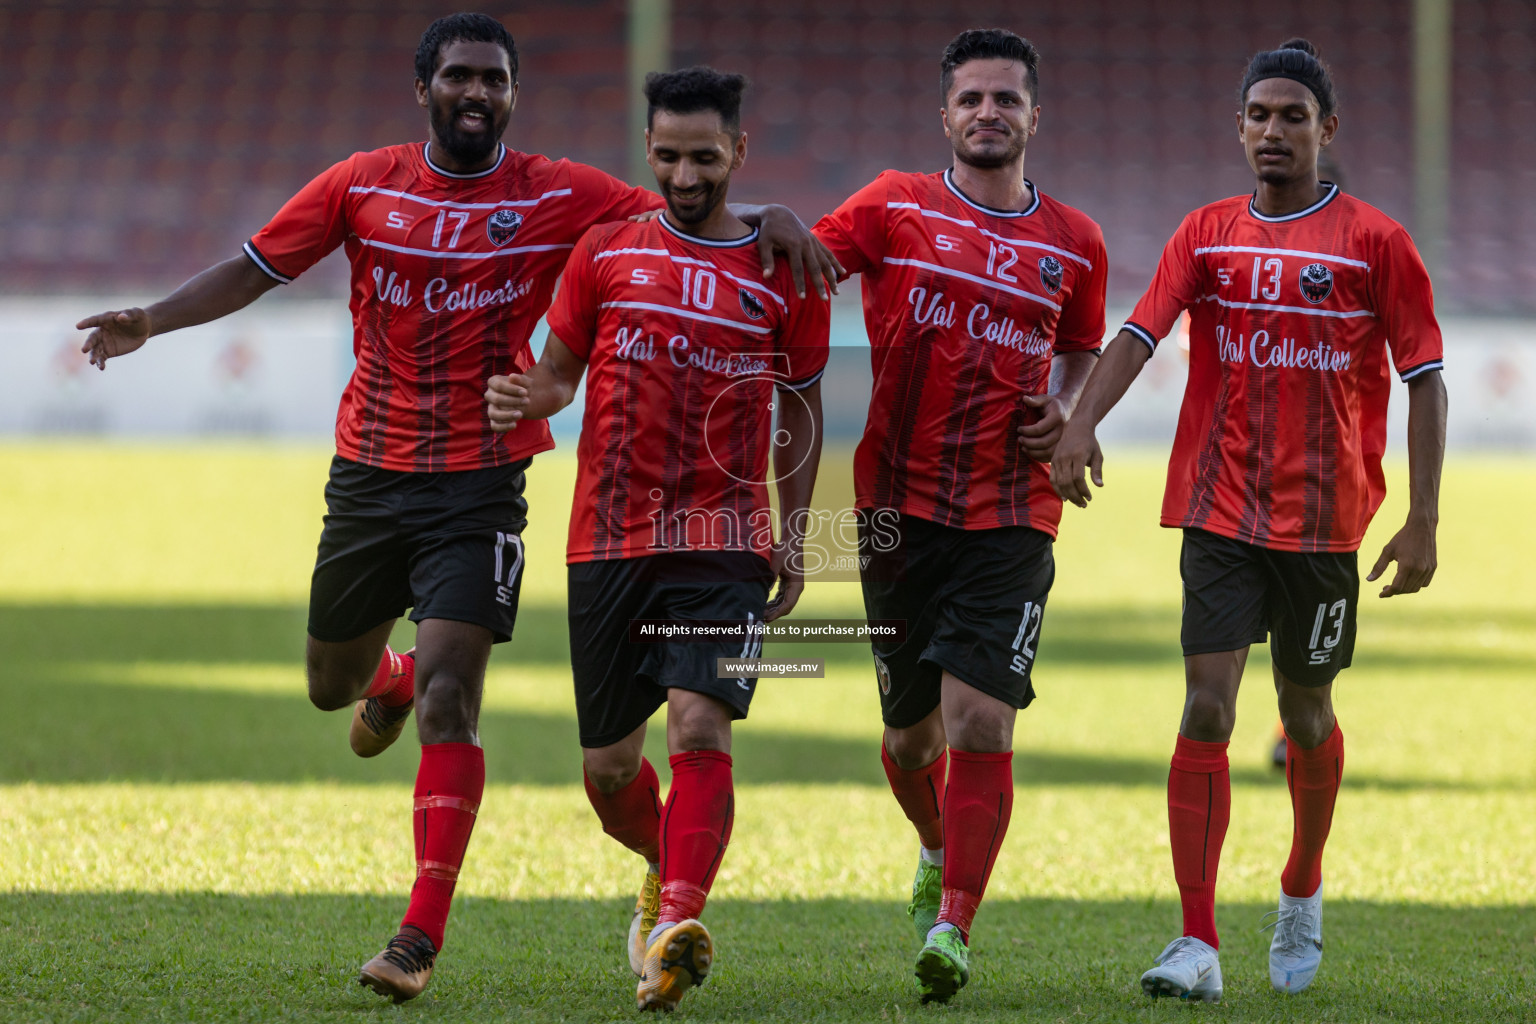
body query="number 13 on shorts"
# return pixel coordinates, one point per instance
(1321, 654)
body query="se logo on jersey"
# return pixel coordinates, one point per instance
(502, 225)
(1316, 282)
(1050, 274)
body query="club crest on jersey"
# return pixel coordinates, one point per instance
(751, 304)
(502, 225)
(1316, 282)
(1050, 273)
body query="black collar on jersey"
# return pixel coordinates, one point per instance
(1333, 193)
(713, 243)
(426, 154)
(1034, 205)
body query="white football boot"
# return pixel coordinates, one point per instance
(1297, 947)
(1188, 968)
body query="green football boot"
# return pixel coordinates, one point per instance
(927, 891)
(943, 967)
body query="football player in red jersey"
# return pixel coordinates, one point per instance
(1297, 295)
(455, 246)
(984, 303)
(687, 353)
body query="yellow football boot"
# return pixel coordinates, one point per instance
(647, 906)
(678, 959)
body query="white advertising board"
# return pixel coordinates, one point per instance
(277, 369)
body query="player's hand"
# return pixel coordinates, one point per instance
(646, 217)
(1039, 438)
(505, 400)
(114, 334)
(786, 562)
(1078, 449)
(781, 230)
(1413, 549)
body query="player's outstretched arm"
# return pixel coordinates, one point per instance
(1078, 448)
(217, 291)
(1069, 372)
(794, 465)
(779, 229)
(540, 393)
(1413, 547)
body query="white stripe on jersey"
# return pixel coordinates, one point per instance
(1345, 314)
(688, 313)
(691, 261)
(1142, 333)
(1283, 252)
(632, 252)
(1437, 364)
(264, 266)
(947, 272)
(463, 255)
(504, 204)
(990, 234)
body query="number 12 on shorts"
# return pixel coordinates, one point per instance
(505, 584)
(1024, 641)
(1320, 655)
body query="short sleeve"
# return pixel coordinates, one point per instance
(804, 341)
(1174, 288)
(573, 315)
(600, 198)
(1405, 301)
(855, 231)
(307, 228)
(1080, 328)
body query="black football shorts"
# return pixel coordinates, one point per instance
(973, 602)
(444, 545)
(620, 683)
(1237, 594)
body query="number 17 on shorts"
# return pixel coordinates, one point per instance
(509, 566)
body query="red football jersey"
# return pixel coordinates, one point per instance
(687, 350)
(450, 272)
(964, 306)
(1285, 415)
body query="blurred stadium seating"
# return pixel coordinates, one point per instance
(145, 140)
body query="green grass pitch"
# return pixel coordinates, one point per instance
(183, 838)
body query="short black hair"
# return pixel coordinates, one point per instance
(693, 89)
(461, 28)
(1297, 60)
(986, 43)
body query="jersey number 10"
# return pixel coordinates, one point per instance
(698, 288)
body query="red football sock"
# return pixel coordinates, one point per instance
(919, 793)
(449, 785)
(1199, 805)
(394, 681)
(695, 829)
(1314, 777)
(632, 815)
(978, 802)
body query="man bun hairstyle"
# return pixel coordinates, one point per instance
(985, 44)
(694, 89)
(1297, 60)
(461, 28)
